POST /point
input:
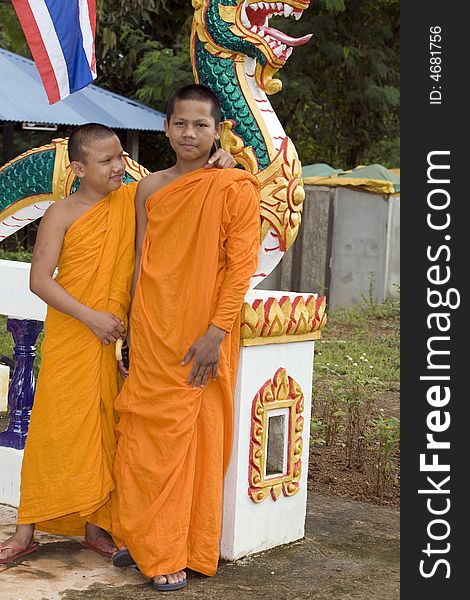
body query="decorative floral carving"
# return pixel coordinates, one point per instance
(281, 320)
(283, 194)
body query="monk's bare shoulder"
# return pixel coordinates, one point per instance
(61, 214)
(152, 183)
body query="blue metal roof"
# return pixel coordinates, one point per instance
(22, 98)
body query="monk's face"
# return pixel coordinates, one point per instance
(103, 165)
(192, 129)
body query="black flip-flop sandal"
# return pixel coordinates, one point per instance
(169, 587)
(123, 558)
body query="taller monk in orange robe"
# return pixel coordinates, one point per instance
(200, 231)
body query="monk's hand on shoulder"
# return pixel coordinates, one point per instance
(221, 159)
(105, 325)
(205, 354)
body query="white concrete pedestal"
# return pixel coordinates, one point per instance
(249, 526)
(10, 469)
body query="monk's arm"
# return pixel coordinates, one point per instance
(49, 240)
(140, 226)
(242, 247)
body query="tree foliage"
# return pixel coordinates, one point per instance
(11, 34)
(340, 98)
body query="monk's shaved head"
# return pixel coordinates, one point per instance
(85, 135)
(198, 92)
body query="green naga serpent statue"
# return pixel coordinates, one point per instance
(236, 53)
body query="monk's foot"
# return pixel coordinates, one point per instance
(99, 540)
(172, 581)
(19, 544)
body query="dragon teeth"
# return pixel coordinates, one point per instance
(276, 7)
(288, 53)
(278, 51)
(245, 20)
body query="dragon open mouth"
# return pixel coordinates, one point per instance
(255, 18)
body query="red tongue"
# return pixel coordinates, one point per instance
(286, 39)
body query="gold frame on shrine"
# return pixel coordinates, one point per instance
(280, 392)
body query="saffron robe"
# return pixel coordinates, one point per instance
(66, 476)
(199, 252)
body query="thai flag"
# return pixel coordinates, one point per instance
(61, 37)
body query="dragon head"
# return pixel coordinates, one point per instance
(242, 27)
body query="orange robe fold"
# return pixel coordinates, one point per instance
(66, 476)
(174, 441)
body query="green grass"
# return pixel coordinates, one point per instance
(20, 255)
(367, 329)
(6, 341)
(356, 392)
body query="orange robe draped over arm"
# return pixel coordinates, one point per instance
(198, 255)
(66, 476)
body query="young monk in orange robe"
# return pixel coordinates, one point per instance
(200, 234)
(66, 477)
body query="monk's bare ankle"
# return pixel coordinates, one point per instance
(97, 536)
(24, 534)
(22, 538)
(93, 532)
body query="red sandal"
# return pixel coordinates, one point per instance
(19, 552)
(98, 547)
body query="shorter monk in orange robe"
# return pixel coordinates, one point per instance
(66, 477)
(197, 241)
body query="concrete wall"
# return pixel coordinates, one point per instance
(392, 273)
(358, 248)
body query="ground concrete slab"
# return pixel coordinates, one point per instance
(350, 552)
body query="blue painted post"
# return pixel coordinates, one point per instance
(21, 393)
